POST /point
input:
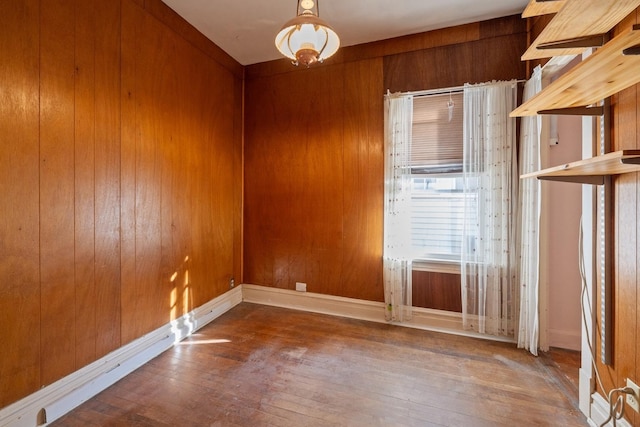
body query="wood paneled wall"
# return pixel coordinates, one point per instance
(625, 122)
(436, 290)
(314, 150)
(313, 205)
(121, 180)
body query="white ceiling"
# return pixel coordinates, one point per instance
(246, 29)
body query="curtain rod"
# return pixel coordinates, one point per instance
(441, 91)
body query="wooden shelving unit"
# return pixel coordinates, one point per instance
(537, 8)
(592, 171)
(576, 20)
(601, 75)
(613, 67)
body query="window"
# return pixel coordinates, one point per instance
(437, 199)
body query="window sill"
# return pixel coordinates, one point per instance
(436, 266)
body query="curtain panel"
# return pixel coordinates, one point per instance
(530, 202)
(397, 207)
(490, 258)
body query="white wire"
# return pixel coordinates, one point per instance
(616, 411)
(588, 301)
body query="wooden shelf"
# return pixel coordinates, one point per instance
(601, 75)
(537, 8)
(592, 171)
(579, 19)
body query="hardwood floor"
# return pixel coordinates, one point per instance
(260, 366)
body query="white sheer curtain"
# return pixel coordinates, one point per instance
(530, 193)
(489, 251)
(397, 207)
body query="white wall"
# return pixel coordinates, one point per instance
(564, 210)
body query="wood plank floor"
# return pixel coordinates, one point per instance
(265, 366)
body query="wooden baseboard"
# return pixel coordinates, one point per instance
(50, 403)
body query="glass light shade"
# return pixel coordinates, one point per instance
(307, 39)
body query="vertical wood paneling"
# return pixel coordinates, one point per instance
(178, 155)
(363, 180)
(19, 207)
(85, 123)
(294, 178)
(170, 183)
(440, 291)
(57, 261)
(119, 160)
(238, 180)
(219, 102)
(625, 265)
(129, 137)
(454, 65)
(142, 300)
(625, 135)
(107, 176)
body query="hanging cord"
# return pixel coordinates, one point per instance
(616, 410)
(583, 299)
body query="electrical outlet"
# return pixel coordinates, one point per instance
(301, 287)
(633, 400)
(232, 282)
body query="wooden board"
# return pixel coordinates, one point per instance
(537, 8)
(107, 176)
(85, 124)
(579, 18)
(57, 241)
(601, 75)
(607, 164)
(20, 294)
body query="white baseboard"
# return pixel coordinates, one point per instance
(50, 403)
(316, 303)
(585, 389)
(570, 340)
(600, 412)
(423, 318)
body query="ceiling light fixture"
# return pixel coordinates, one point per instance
(307, 39)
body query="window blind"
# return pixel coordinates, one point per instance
(436, 140)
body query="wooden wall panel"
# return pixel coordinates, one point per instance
(141, 307)
(626, 263)
(121, 165)
(294, 176)
(440, 291)
(57, 69)
(107, 176)
(182, 167)
(19, 205)
(84, 181)
(188, 33)
(314, 151)
(129, 139)
(238, 180)
(448, 66)
(363, 187)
